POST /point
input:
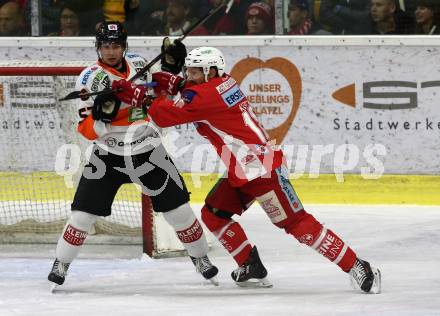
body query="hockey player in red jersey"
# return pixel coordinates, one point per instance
(221, 113)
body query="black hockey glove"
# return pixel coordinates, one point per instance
(174, 58)
(105, 108)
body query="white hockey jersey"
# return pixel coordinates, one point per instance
(131, 132)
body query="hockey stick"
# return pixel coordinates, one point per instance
(78, 94)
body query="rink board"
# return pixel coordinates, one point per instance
(317, 189)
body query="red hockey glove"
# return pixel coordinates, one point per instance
(129, 93)
(167, 83)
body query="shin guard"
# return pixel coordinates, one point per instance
(310, 232)
(188, 230)
(230, 234)
(74, 235)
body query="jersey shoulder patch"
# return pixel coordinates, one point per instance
(131, 55)
(232, 96)
(188, 95)
(226, 85)
(86, 74)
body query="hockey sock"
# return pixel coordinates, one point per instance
(73, 236)
(188, 230)
(230, 234)
(312, 233)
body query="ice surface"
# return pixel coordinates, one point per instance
(403, 241)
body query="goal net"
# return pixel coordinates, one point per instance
(36, 188)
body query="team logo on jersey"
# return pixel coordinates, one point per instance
(306, 239)
(138, 64)
(111, 142)
(187, 96)
(233, 96)
(248, 159)
(136, 114)
(101, 77)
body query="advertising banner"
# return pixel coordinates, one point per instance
(367, 110)
(351, 109)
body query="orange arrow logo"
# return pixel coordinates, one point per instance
(346, 95)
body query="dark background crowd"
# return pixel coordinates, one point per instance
(172, 17)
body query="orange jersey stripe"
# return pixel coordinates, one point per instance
(114, 71)
(86, 128)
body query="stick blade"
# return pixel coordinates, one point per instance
(71, 96)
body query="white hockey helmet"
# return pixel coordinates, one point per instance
(205, 58)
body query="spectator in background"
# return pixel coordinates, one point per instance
(388, 19)
(69, 22)
(56, 13)
(12, 20)
(201, 7)
(408, 6)
(221, 23)
(311, 7)
(427, 15)
(147, 19)
(259, 19)
(345, 16)
(119, 10)
(300, 21)
(50, 16)
(178, 19)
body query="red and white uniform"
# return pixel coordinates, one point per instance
(115, 137)
(256, 171)
(223, 115)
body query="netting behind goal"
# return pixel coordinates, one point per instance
(34, 198)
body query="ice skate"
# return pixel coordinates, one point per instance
(206, 268)
(365, 278)
(58, 273)
(252, 273)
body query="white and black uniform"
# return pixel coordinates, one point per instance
(128, 142)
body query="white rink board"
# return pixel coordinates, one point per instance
(404, 140)
(401, 241)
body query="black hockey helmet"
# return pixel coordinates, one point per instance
(111, 32)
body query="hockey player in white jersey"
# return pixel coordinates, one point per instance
(125, 142)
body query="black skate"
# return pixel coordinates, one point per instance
(252, 273)
(206, 268)
(365, 278)
(58, 273)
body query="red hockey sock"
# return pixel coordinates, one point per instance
(235, 241)
(229, 233)
(310, 232)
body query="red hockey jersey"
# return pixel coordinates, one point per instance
(223, 115)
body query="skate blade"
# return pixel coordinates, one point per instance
(214, 281)
(377, 283)
(255, 283)
(53, 287)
